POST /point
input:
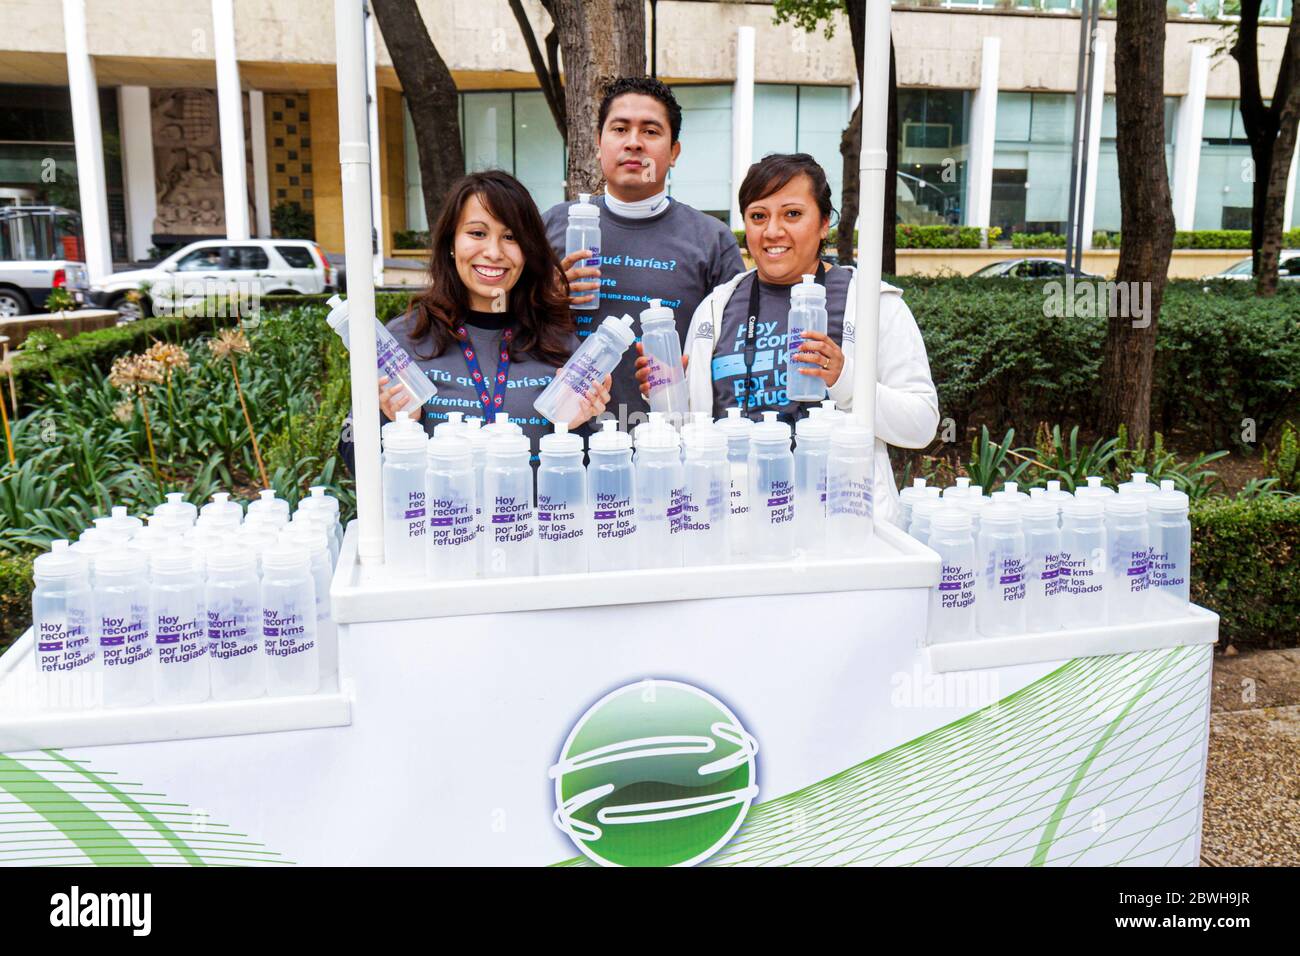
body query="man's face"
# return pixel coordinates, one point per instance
(636, 147)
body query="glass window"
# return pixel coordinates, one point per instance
(204, 259)
(298, 257)
(1225, 178)
(488, 131)
(245, 257)
(702, 175)
(932, 155)
(823, 114)
(539, 151)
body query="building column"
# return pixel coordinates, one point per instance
(261, 180)
(1288, 216)
(88, 141)
(742, 119)
(983, 133)
(136, 117)
(230, 112)
(1093, 146)
(376, 167)
(1187, 138)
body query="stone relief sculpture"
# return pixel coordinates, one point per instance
(187, 155)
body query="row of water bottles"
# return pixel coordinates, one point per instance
(464, 503)
(191, 605)
(1016, 563)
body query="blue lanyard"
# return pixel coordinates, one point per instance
(491, 402)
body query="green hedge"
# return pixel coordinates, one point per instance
(1221, 356)
(1191, 239)
(1246, 567)
(15, 597)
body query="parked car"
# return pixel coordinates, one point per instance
(1031, 268)
(40, 251)
(214, 267)
(1288, 268)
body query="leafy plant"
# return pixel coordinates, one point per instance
(1284, 463)
(1068, 462)
(989, 461)
(290, 221)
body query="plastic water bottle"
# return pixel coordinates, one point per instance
(663, 347)
(121, 627)
(1082, 566)
(508, 507)
(807, 314)
(451, 546)
(1128, 563)
(612, 499)
(1057, 497)
(176, 624)
(1094, 489)
(1137, 485)
(391, 358)
(660, 488)
(61, 624)
(1171, 551)
(561, 504)
(596, 357)
(1042, 574)
(736, 427)
(960, 488)
(923, 512)
(221, 511)
(454, 425)
(1011, 494)
(233, 600)
(833, 414)
(269, 509)
(705, 506)
(850, 473)
(771, 491)
(952, 603)
(310, 538)
(119, 522)
(178, 506)
(405, 521)
(317, 519)
(1000, 552)
(583, 232)
(812, 448)
(906, 498)
(289, 639)
(327, 506)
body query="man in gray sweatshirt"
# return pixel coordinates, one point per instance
(652, 247)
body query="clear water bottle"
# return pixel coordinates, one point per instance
(960, 488)
(1082, 566)
(1042, 574)
(289, 639)
(1001, 554)
(906, 498)
(850, 474)
(663, 348)
(233, 601)
(405, 520)
(807, 314)
(1137, 485)
(1057, 497)
(1171, 551)
(1093, 489)
(561, 504)
(321, 503)
(1011, 494)
(612, 498)
(1127, 541)
(583, 232)
(923, 512)
(508, 507)
(320, 521)
(705, 506)
(812, 448)
(119, 522)
(221, 512)
(391, 358)
(454, 425)
(771, 491)
(596, 357)
(452, 549)
(269, 509)
(660, 488)
(177, 506)
(61, 625)
(176, 623)
(736, 427)
(311, 538)
(952, 603)
(121, 625)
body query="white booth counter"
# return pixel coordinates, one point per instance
(755, 714)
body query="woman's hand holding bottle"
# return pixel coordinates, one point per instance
(392, 400)
(593, 404)
(643, 369)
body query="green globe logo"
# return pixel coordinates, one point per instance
(657, 773)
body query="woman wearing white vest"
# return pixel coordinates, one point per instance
(731, 360)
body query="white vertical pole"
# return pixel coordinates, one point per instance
(261, 176)
(742, 119)
(1187, 137)
(983, 133)
(88, 141)
(872, 166)
(230, 112)
(1288, 215)
(354, 165)
(1093, 145)
(376, 189)
(136, 117)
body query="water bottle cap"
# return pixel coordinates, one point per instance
(976, 491)
(656, 313)
(473, 424)
(814, 429)
(1038, 506)
(735, 423)
(320, 500)
(1126, 505)
(285, 556)
(177, 505)
(609, 438)
(807, 287)
(1138, 485)
(584, 208)
(930, 491)
(1086, 506)
(454, 424)
(506, 444)
(561, 442)
(1094, 487)
(452, 448)
(656, 434)
(1168, 499)
(231, 555)
(267, 505)
(918, 482)
(119, 522)
(408, 435)
(1053, 485)
(853, 434)
(620, 326)
(1000, 512)
(959, 489)
(703, 436)
(950, 519)
(221, 507)
(338, 314)
(172, 558)
(501, 423)
(770, 430)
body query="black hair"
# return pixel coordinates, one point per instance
(646, 86)
(772, 173)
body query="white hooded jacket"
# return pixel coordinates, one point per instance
(907, 406)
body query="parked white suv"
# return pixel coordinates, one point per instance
(218, 267)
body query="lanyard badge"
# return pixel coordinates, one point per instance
(491, 401)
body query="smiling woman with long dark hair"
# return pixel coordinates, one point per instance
(493, 324)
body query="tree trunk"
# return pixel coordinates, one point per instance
(1146, 216)
(431, 95)
(1286, 107)
(600, 40)
(850, 153)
